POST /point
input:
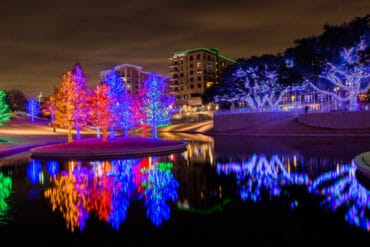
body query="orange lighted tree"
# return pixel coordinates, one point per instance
(70, 101)
(65, 103)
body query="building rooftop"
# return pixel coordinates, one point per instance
(213, 51)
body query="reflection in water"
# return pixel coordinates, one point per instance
(5, 189)
(53, 167)
(341, 189)
(159, 187)
(123, 189)
(107, 187)
(258, 175)
(34, 171)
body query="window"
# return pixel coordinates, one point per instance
(190, 58)
(192, 86)
(191, 72)
(198, 56)
(191, 79)
(199, 85)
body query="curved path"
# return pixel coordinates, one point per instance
(119, 147)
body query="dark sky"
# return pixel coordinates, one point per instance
(41, 39)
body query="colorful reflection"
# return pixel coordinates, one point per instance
(106, 188)
(159, 187)
(259, 176)
(5, 190)
(342, 190)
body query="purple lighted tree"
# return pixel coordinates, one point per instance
(33, 108)
(80, 113)
(157, 105)
(349, 78)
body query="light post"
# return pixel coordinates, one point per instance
(39, 96)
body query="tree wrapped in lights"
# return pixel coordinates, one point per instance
(121, 104)
(65, 103)
(101, 116)
(157, 105)
(259, 82)
(33, 108)
(351, 77)
(70, 101)
(139, 115)
(261, 88)
(80, 113)
(4, 108)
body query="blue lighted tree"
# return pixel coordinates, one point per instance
(157, 104)
(121, 104)
(346, 79)
(4, 108)
(33, 108)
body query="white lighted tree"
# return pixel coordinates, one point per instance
(351, 77)
(262, 90)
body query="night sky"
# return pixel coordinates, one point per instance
(41, 39)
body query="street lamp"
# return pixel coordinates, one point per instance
(39, 96)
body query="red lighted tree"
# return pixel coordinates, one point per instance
(100, 112)
(139, 113)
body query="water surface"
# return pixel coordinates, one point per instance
(222, 190)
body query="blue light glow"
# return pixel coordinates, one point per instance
(342, 190)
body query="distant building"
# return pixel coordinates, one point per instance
(192, 71)
(133, 76)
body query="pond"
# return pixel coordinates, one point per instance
(221, 190)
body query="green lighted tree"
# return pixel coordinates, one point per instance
(4, 108)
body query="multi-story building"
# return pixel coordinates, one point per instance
(133, 76)
(192, 71)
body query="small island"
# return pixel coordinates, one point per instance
(119, 147)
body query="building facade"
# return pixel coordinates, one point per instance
(191, 72)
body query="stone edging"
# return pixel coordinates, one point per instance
(361, 163)
(123, 153)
